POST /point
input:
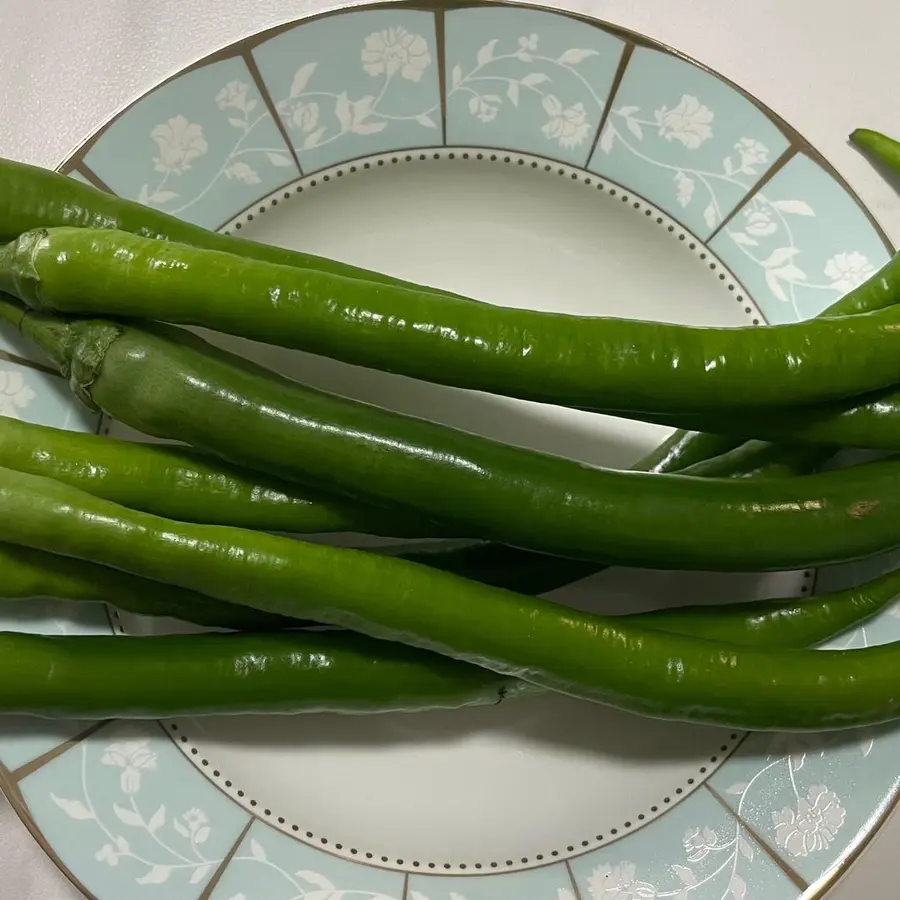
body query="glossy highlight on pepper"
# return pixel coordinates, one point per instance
(35, 197)
(537, 641)
(174, 385)
(27, 574)
(182, 483)
(101, 677)
(608, 364)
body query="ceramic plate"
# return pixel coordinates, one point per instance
(527, 158)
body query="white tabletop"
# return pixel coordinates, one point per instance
(826, 67)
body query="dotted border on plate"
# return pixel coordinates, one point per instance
(354, 854)
(637, 204)
(536, 163)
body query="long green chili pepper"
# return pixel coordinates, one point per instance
(880, 290)
(700, 453)
(536, 573)
(538, 641)
(183, 389)
(760, 459)
(101, 677)
(607, 364)
(34, 197)
(878, 146)
(27, 574)
(870, 421)
(180, 483)
(142, 677)
(787, 623)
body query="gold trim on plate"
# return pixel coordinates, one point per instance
(243, 49)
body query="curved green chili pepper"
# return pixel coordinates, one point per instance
(26, 574)
(607, 364)
(869, 421)
(181, 483)
(34, 197)
(879, 146)
(538, 641)
(102, 677)
(175, 388)
(699, 453)
(789, 622)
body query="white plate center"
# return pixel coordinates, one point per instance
(536, 779)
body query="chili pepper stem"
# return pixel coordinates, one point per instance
(18, 274)
(11, 311)
(77, 347)
(50, 333)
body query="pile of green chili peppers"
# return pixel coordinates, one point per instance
(203, 525)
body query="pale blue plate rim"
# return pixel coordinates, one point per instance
(74, 163)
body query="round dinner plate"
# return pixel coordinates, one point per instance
(527, 158)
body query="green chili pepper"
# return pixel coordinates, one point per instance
(786, 623)
(870, 421)
(181, 483)
(183, 389)
(34, 197)
(877, 292)
(696, 453)
(759, 459)
(535, 640)
(879, 146)
(606, 364)
(26, 574)
(100, 677)
(536, 573)
(131, 677)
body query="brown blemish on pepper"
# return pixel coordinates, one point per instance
(862, 508)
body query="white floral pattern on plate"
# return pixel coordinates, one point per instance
(763, 218)
(622, 882)
(362, 91)
(201, 149)
(181, 142)
(394, 50)
(567, 126)
(813, 825)
(676, 137)
(268, 865)
(214, 135)
(394, 53)
(711, 857)
(690, 123)
(174, 857)
(538, 89)
(776, 243)
(798, 791)
(817, 815)
(15, 392)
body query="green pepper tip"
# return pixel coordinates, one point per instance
(18, 273)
